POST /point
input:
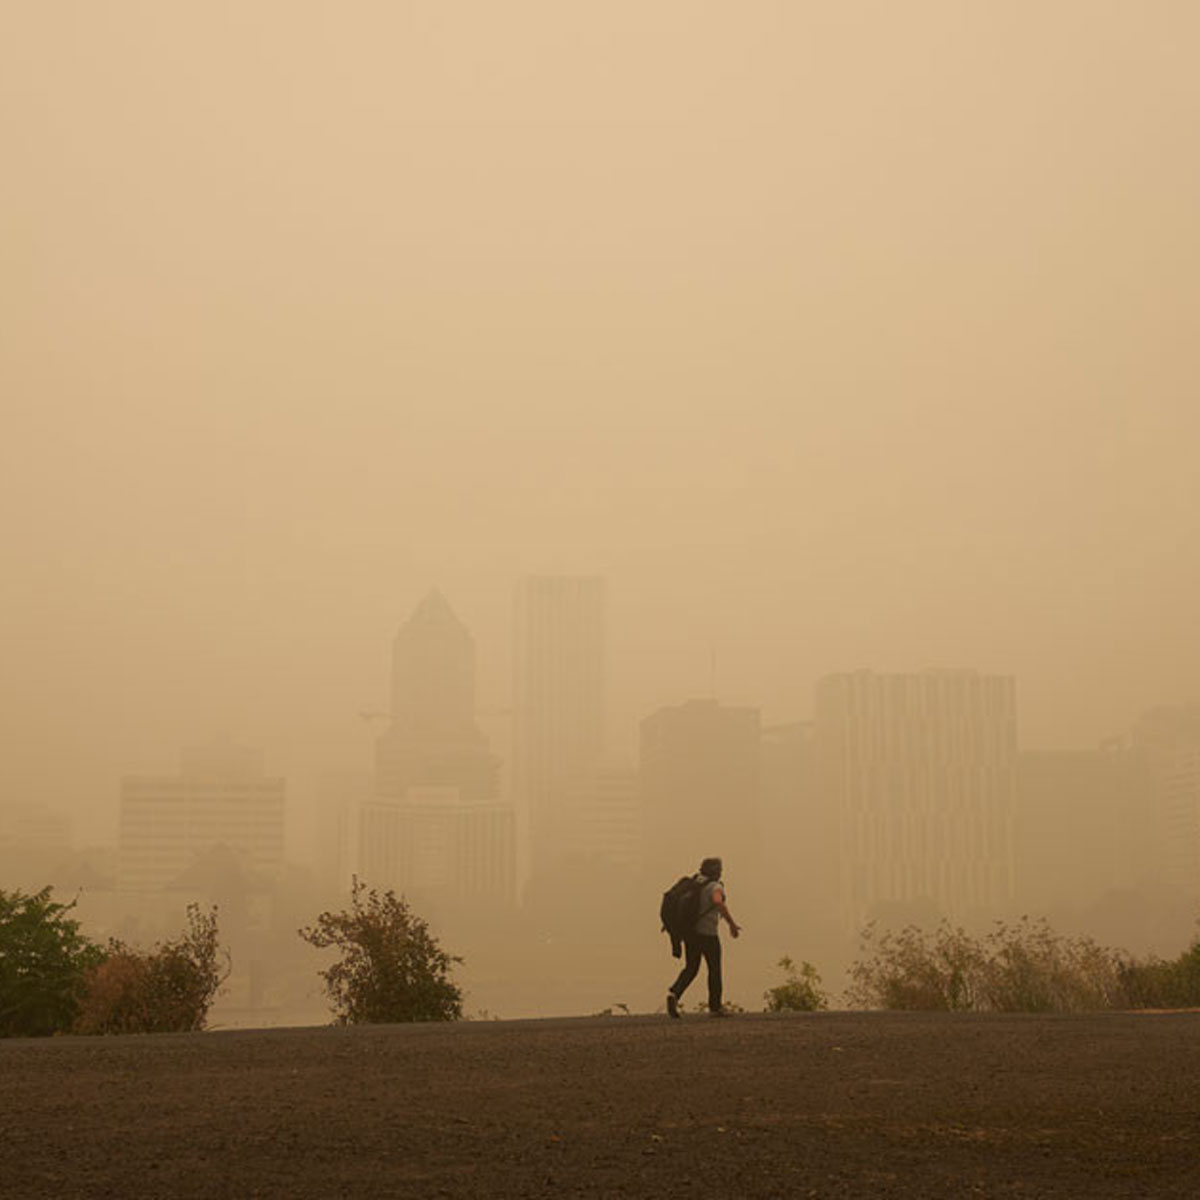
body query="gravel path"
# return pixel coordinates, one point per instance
(826, 1105)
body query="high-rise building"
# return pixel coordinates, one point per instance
(434, 828)
(558, 702)
(603, 818)
(221, 796)
(1170, 739)
(34, 842)
(922, 769)
(339, 799)
(433, 738)
(699, 780)
(438, 849)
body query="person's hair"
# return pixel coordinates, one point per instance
(710, 868)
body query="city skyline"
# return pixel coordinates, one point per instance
(499, 708)
(900, 797)
(558, 437)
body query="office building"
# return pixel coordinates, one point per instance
(699, 781)
(1170, 739)
(602, 819)
(221, 796)
(922, 770)
(434, 827)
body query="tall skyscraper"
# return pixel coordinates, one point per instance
(433, 738)
(922, 770)
(434, 828)
(603, 818)
(1170, 739)
(34, 841)
(558, 702)
(221, 796)
(699, 780)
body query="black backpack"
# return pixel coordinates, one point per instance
(680, 909)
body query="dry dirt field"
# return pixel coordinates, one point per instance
(826, 1105)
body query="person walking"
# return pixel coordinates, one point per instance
(703, 941)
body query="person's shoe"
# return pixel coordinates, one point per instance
(718, 1012)
(673, 1005)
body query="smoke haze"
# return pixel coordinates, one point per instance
(831, 335)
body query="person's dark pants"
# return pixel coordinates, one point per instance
(697, 946)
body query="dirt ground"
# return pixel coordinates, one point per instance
(823, 1105)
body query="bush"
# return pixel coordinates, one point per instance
(913, 970)
(43, 963)
(1025, 967)
(800, 990)
(1153, 983)
(1030, 968)
(165, 990)
(392, 968)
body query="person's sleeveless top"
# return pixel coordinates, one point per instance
(709, 921)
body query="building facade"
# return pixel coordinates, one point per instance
(699, 765)
(921, 769)
(603, 818)
(221, 796)
(1170, 739)
(434, 827)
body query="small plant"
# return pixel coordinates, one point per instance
(168, 989)
(729, 1006)
(613, 1010)
(391, 967)
(800, 990)
(44, 962)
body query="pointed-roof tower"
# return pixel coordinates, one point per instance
(433, 672)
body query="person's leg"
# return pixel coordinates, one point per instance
(691, 966)
(712, 956)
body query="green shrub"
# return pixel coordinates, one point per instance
(168, 989)
(392, 968)
(800, 990)
(43, 963)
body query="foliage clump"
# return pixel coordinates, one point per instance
(1030, 968)
(168, 989)
(800, 990)
(44, 961)
(1155, 983)
(1024, 967)
(391, 967)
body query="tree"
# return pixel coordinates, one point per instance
(44, 960)
(168, 989)
(800, 990)
(391, 967)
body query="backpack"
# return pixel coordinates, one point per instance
(680, 909)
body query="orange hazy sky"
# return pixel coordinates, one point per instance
(834, 334)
